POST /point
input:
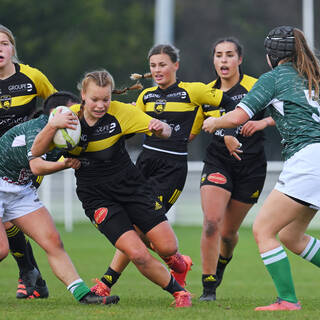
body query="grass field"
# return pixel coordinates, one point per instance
(246, 284)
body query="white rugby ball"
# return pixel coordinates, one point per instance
(66, 138)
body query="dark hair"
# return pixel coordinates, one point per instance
(168, 49)
(233, 40)
(237, 44)
(60, 98)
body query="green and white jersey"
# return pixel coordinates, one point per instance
(15, 150)
(286, 94)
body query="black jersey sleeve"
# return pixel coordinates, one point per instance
(228, 104)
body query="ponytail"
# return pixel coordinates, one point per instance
(306, 63)
(136, 76)
(136, 86)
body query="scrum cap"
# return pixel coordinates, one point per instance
(280, 44)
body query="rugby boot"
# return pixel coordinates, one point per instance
(27, 283)
(182, 299)
(181, 276)
(209, 294)
(40, 291)
(92, 298)
(100, 289)
(280, 305)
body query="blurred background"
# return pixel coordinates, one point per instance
(64, 39)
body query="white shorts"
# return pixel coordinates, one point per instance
(17, 200)
(300, 177)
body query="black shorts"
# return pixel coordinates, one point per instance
(244, 180)
(167, 174)
(114, 204)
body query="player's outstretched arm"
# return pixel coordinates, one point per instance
(231, 119)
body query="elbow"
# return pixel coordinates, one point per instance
(35, 167)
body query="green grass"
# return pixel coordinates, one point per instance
(245, 286)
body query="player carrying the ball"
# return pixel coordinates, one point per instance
(19, 202)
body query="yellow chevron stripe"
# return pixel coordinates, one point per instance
(175, 196)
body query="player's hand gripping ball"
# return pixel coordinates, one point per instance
(66, 138)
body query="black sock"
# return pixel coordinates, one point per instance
(21, 250)
(110, 277)
(209, 281)
(222, 263)
(173, 286)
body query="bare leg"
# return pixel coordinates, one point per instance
(39, 226)
(4, 244)
(131, 244)
(214, 202)
(233, 217)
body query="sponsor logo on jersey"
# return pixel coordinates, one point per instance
(5, 101)
(255, 195)
(109, 128)
(203, 177)
(151, 96)
(100, 215)
(20, 87)
(181, 94)
(217, 178)
(159, 106)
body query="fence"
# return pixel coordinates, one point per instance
(58, 194)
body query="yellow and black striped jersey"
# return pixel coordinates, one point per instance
(18, 95)
(251, 146)
(102, 149)
(177, 106)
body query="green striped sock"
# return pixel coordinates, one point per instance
(78, 288)
(312, 251)
(277, 264)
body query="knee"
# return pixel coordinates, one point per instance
(168, 251)
(291, 241)
(210, 227)
(139, 257)
(229, 237)
(4, 251)
(53, 242)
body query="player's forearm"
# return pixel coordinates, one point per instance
(42, 142)
(41, 167)
(232, 119)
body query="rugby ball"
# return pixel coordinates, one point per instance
(66, 138)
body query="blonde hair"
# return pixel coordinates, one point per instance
(101, 78)
(10, 36)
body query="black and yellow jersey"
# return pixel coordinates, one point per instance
(177, 106)
(102, 149)
(18, 95)
(251, 146)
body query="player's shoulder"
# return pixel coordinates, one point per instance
(248, 81)
(28, 70)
